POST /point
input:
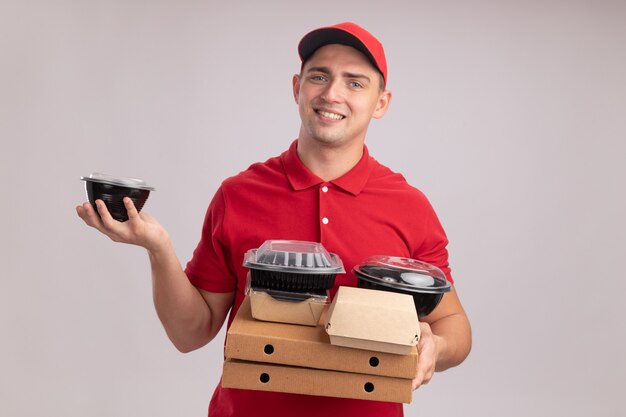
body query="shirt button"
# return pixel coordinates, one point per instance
(325, 189)
(325, 220)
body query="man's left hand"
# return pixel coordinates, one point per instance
(427, 349)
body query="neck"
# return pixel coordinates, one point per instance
(326, 161)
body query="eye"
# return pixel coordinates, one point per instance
(356, 84)
(317, 78)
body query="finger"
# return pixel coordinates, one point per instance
(81, 211)
(419, 378)
(131, 210)
(416, 384)
(423, 377)
(108, 221)
(89, 215)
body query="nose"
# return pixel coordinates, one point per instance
(332, 92)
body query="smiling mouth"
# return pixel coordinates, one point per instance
(329, 115)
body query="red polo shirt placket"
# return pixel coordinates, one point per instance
(325, 212)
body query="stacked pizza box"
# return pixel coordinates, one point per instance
(362, 347)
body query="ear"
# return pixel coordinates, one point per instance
(383, 104)
(296, 87)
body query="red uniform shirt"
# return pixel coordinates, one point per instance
(368, 211)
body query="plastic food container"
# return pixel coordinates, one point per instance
(292, 265)
(425, 282)
(112, 191)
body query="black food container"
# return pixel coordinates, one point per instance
(112, 191)
(292, 265)
(425, 282)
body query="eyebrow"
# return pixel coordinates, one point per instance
(326, 70)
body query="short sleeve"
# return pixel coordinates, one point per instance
(210, 267)
(433, 249)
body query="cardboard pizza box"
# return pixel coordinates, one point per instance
(297, 380)
(307, 346)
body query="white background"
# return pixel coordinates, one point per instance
(509, 115)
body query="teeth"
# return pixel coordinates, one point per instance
(333, 116)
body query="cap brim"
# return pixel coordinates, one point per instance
(326, 36)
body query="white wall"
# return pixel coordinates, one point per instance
(510, 115)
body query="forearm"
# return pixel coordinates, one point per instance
(181, 307)
(183, 312)
(446, 339)
(454, 340)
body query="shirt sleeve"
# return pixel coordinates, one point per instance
(433, 249)
(210, 267)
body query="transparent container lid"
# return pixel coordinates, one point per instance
(293, 256)
(403, 274)
(119, 181)
(316, 297)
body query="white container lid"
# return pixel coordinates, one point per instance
(119, 181)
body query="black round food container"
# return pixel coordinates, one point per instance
(112, 191)
(425, 282)
(292, 265)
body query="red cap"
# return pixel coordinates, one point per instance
(349, 34)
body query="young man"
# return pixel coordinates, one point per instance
(325, 188)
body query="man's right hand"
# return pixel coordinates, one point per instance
(140, 229)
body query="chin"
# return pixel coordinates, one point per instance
(327, 137)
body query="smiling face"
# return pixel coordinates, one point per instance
(338, 93)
